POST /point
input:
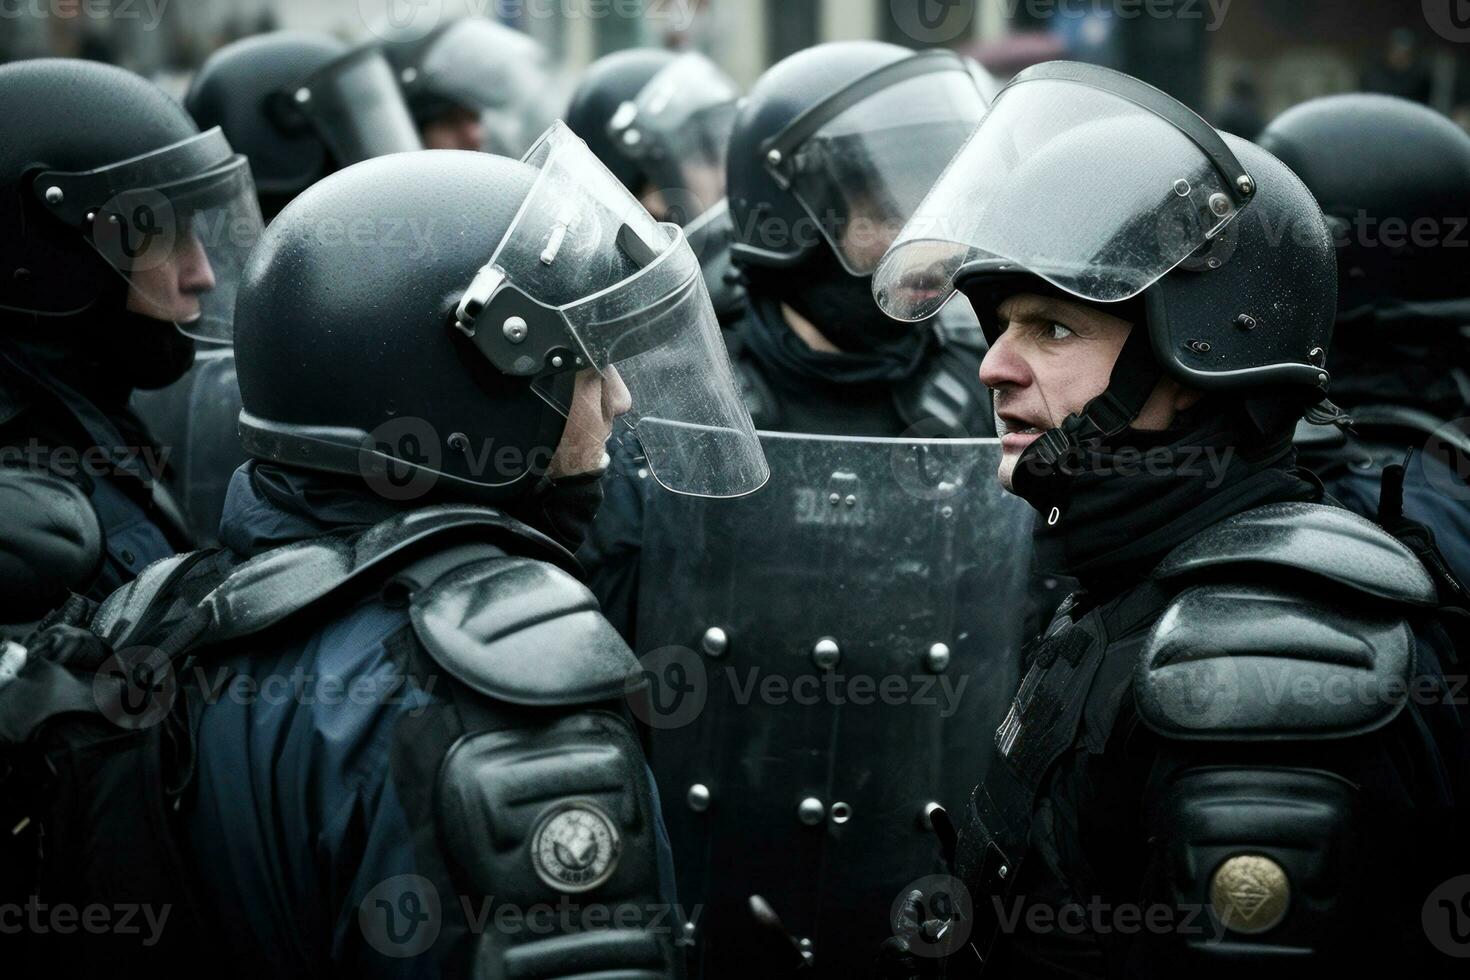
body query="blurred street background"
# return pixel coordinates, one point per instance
(1239, 62)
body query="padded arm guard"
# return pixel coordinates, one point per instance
(51, 545)
(546, 803)
(1258, 827)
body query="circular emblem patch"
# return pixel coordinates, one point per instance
(576, 846)
(1250, 893)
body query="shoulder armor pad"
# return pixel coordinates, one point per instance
(1236, 662)
(1329, 543)
(51, 543)
(279, 583)
(523, 631)
(127, 606)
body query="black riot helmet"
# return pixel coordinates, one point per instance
(661, 122)
(477, 65)
(837, 144)
(1090, 183)
(1393, 177)
(431, 343)
(108, 190)
(300, 105)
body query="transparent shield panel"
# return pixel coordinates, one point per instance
(358, 109)
(1082, 187)
(632, 295)
(178, 225)
(864, 174)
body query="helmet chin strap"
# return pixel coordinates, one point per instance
(1051, 460)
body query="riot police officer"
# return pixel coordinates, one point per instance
(120, 220)
(1173, 790)
(473, 84)
(481, 804)
(298, 106)
(830, 152)
(1394, 180)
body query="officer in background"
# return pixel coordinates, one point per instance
(299, 106)
(831, 151)
(474, 84)
(1394, 179)
(1173, 792)
(120, 226)
(404, 533)
(661, 123)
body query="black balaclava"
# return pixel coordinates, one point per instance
(1130, 502)
(874, 348)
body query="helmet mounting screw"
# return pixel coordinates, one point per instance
(1219, 205)
(515, 329)
(1245, 321)
(1200, 346)
(1245, 185)
(459, 442)
(557, 361)
(774, 158)
(54, 196)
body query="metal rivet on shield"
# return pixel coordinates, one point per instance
(841, 813)
(936, 658)
(715, 641)
(1213, 263)
(55, 195)
(459, 442)
(558, 361)
(303, 96)
(834, 499)
(515, 329)
(926, 815)
(811, 812)
(1181, 187)
(1200, 346)
(774, 158)
(1219, 205)
(698, 797)
(826, 653)
(1245, 321)
(850, 500)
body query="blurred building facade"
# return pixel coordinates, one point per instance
(1243, 59)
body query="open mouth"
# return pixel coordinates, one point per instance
(1015, 433)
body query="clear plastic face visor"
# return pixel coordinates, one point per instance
(1080, 186)
(177, 224)
(586, 279)
(356, 106)
(678, 131)
(499, 72)
(862, 174)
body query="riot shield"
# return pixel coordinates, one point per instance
(197, 420)
(829, 656)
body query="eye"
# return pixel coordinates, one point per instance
(1057, 331)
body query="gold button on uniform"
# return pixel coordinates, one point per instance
(1250, 893)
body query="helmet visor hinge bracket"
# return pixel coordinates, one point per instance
(520, 337)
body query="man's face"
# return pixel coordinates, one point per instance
(460, 129)
(597, 401)
(1053, 357)
(169, 289)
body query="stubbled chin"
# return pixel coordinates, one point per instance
(1006, 470)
